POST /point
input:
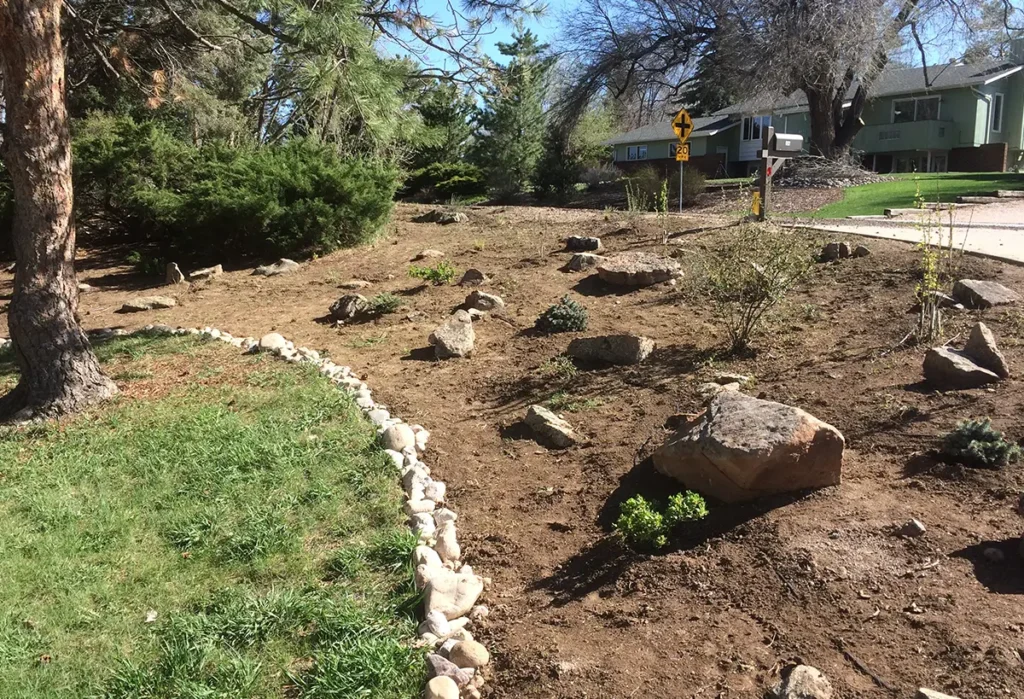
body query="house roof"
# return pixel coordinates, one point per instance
(662, 130)
(899, 81)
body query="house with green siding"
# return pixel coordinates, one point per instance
(958, 117)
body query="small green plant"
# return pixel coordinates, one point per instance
(144, 264)
(383, 303)
(565, 316)
(685, 507)
(642, 526)
(479, 244)
(975, 443)
(563, 402)
(561, 367)
(441, 273)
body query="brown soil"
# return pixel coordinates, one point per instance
(821, 579)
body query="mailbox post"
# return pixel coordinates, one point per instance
(775, 149)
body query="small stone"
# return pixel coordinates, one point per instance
(469, 654)
(844, 250)
(436, 491)
(948, 369)
(455, 338)
(709, 390)
(206, 273)
(348, 307)
(447, 545)
(424, 555)
(911, 529)
(354, 284)
(612, 349)
(148, 303)
(84, 288)
(415, 507)
(484, 302)
(829, 253)
(975, 293)
(583, 261)
(479, 612)
(428, 255)
(923, 693)
(550, 428)
(439, 666)
(378, 416)
(437, 624)
(398, 437)
(981, 348)
(994, 555)
(725, 378)
(441, 688)
(282, 266)
(443, 217)
(474, 277)
(803, 682)
(578, 243)
(861, 251)
(173, 274)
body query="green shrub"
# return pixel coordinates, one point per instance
(694, 184)
(441, 273)
(750, 273)
(976, 444)
(641, 525)
(446, 180)
(565, 316)
(642, 189)
(137, 181)
(383, 303)
(685, 507)
(645, 528)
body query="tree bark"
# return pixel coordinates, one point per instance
(59, 372)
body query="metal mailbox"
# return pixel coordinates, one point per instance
(787, 143)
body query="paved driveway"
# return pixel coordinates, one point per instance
(993, 230)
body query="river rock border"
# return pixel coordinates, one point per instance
(456, 662)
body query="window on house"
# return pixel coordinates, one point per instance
(902, 111)
(997, 112)
(927, 109)
(631, 153)
(752, 127)
(641, 152)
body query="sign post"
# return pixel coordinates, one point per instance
(682, 124)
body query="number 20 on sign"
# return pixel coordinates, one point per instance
(683, 153)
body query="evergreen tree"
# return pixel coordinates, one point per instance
(709, 91)
(511, 123)
(446, 112)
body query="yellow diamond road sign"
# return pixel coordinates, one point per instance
(682, 125)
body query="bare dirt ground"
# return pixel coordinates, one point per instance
(822, 579)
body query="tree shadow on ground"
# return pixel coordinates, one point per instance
(601, 563)
(594, 286)
(1005, 577)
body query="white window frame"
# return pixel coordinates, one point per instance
(749, 122)
(915, 100)
(999, 113)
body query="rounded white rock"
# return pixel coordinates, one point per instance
(447, 545)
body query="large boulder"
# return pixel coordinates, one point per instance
(148, 303)
(549, 428)
(455, 338)
(949, 369)
(611, 349)
(742, 447)
(981, 347)
(579, 243)
(174, 274)
(976, 293)
(282, 266)
(206, 273)
(348, 307)
(638, 269)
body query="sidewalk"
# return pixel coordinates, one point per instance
(993, 230)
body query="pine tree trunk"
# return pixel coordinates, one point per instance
(823, 125)
(59, 372)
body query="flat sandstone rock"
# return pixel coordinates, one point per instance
(975, 293)
(282, 266)
(948, 369)
(612, 349)
(148, 303)
(549, 428)
(638, 269)
(742, 448)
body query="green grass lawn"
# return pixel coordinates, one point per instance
(226, 528)
(873, 199)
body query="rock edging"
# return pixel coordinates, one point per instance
(451, 588)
